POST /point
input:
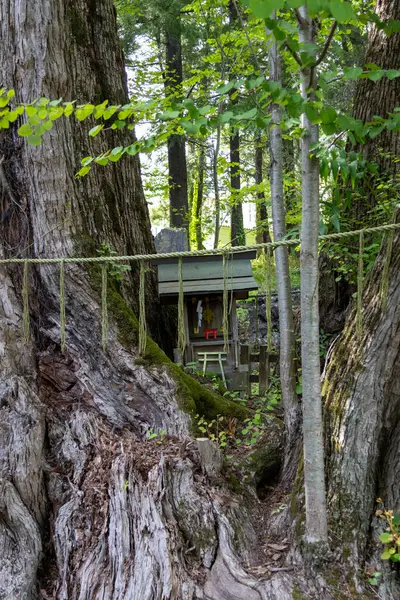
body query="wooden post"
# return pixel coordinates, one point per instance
(245, 359)
(264, 370)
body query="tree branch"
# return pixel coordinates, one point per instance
(294, 54)
(327, 44)
(302, 21)
(242, 23)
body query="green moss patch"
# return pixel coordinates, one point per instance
(192, 397)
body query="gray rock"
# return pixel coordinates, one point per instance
(171, 240)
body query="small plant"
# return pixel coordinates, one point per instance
(192, 368)
(153, 434)
(391, 537)
(115, 269)
(279, 509)
(254, 427)
(222, 430)
(219, 430)
(375, 577)
(235, 397)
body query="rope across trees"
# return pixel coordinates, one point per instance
(226, 253)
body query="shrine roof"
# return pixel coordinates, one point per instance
(204, 274)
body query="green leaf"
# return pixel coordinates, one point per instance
(385, 555)
(246, 115)
(395, 557)
(190, 127)
(35, 140)
(329, 128)
(352, 73)
(56, 113)
(386, 538)
(313, 6)
(82, 172)
(101, 160)
(47, 125)
(311, 113)
(375, 75)
(224, 89)
(12, 116)
(294, 3)
(86, 161)
(225, 116)
(69, 109)
(42, 113)
(95, 130)
(264, 8)
(25, 130)
(392, 73)
(132, 149)
(10, 94)
(205, 109)
(375, 131)
(342, 11)
(31, 110)
(328, 115)
(168, 115)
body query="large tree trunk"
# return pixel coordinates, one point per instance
(362, 414)
(378, 98)
(88, 510)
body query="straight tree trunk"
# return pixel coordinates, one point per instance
(286, 326)
(198, 199)
(216, 187)
(314, 478)
(262, 232)
(177, 169)
(238, 237)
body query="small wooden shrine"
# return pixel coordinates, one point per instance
(203, 288)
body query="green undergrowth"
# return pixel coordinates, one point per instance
(192, 397)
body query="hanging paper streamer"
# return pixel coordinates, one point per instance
(62, 308)
(142, 310)
(225, 301)
(360, 285)
(104, 310)
(268, 300)
(181, 313)
(385, 272)
(25, 300)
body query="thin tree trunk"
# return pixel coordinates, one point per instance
(286, 327)
(238, 237)
(216, 187)
(197, 202)
(262, 232)
(178, 186)
(314, 478)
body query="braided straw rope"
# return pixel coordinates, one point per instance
(212, 252)
(269, 247)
